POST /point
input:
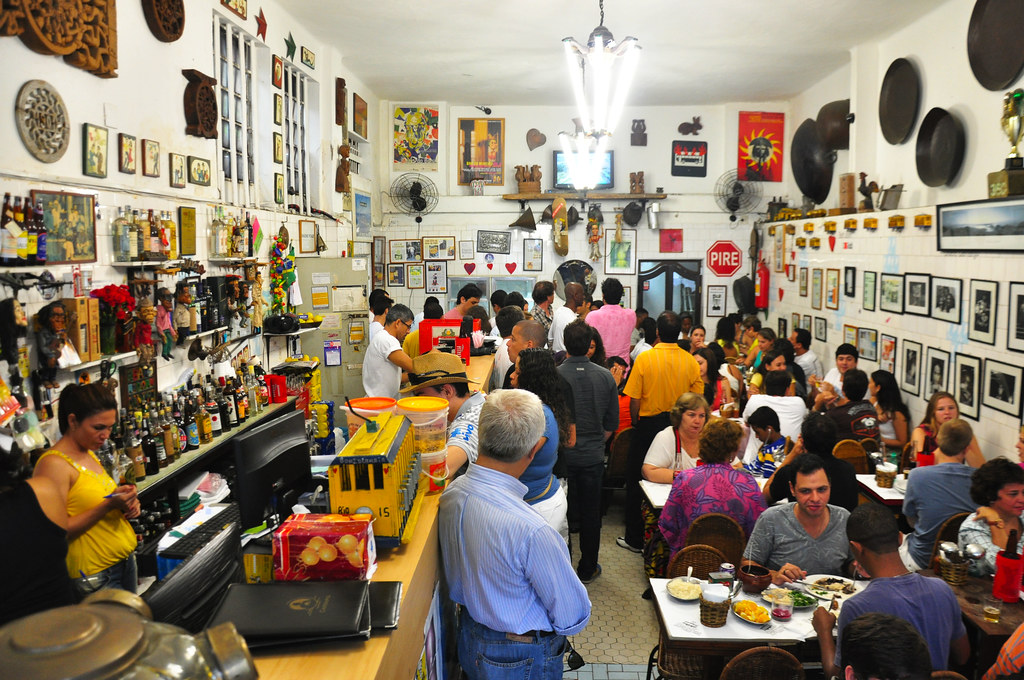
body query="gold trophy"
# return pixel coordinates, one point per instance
(1010, 180)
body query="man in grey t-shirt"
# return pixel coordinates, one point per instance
(808, 536)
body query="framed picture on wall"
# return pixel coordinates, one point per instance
(850, 282)
(1015, 328)
(983, 300)
(438, 248)
(795, 320)
(910, 381)
(481, 150)
(966, 383)
(890, 293)
(380, 250)
(832, 288)
(820, 329)
(806, 323)
(126, 153)
(436, 277)
(716, 301)
(533, 254)
(816, 284)
(887, 357)
(936, 371)
(94, 150)
(1002, 387)
(803, 281)
(466, 250)
(307, 236)
(782, 323)
(946, 297)
(627, 297)
(396, 275)
(868, 293)
(850, 334)
(620, 256)
(780, 249)
(917, 293)
(497, 242)
(867, 343)
(980, 226)
(414, 276)
(70, 221)
(406, 250)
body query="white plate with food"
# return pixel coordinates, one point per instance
(684, 589)
(801, 600)
(827, 586)
(751, 612)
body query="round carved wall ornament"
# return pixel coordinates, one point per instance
(54, 27)
(42, 121)
(166, 18)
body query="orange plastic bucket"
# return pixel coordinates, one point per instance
(365, 408)
(429, 416)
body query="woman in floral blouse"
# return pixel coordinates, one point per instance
(712, 487)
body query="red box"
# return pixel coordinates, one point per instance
(324, 548)
(432, 329)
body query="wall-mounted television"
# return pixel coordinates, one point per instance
(563, 180)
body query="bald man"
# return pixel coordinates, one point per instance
(525, 334)
(564, 316)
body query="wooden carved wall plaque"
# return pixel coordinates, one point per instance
(84, 32)
(165, 18)
(200, 105)
(42, 121)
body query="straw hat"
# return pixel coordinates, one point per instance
(436, 368)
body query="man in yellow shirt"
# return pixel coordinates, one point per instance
(660, 376)
(411, 344)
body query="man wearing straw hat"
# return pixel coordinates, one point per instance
(443, 375)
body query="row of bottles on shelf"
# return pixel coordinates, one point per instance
(230, 235)
(141, 237)
(23, 237)
(150, 438)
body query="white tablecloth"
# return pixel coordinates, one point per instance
(893, 494)
(657, 494)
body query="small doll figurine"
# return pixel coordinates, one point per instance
(257, 300)
(182, 315)
(13, 327)
(164, 329)
(233, 295)
(144, 333)
(243, 303)
(51, 333)
(594, 239)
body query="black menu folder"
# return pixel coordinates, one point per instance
(288, 612)
(385, 601)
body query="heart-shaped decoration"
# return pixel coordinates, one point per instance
(535, 138)
(832, 243)
(470, 267)
(510, 266)
(490, 265)
(780, 294)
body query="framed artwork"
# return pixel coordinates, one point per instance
(466, 251)
(278, 147)
(966, 383)
(239, 7)
(1002, 387)
(380, 249)
(670, 241)
(360, 126)
(278, 109)
(627, 297)
(832, 288)
(981, 226)
(820, 329)
(150, 158)
(890, 293)
(946, 297)
(396, 275)
(1015, 328)
(363, 209)
(806, 323)
(911, 380)
(70, 221)
(887, 358)
(780, 249)
(406, 250)
(791, 272)
(198, 171)
(816, 285)
(803, 281)
(717, 298)
(308, 57)
(850, 334)
(278, 188)
(917, 294)
(936, 370)
(126, 153)
(414, 276)
(186, 230)
(781, 327)
(436, 277)
(176, 163)
(94, 150)
(481, 150)
(378, 275)
(867, 343)
(867, 300)
(307, 236)
(795, 320)
(850, 282)
(498, 242)
(415, 137)
(533, 254)
(620, 256)
(438, 247)
(277, 75)
(983, 299)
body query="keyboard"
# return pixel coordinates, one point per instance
(193, 541)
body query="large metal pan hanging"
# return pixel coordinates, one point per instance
(833, 123)
(994, 45)
(811, 162)
(898, 101)
(940, 148)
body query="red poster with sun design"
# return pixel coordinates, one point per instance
(760, 146)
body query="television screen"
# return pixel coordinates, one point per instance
(564, 181)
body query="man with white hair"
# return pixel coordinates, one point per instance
(504, 564)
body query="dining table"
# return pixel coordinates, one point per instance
(657, 493)
(892, 497)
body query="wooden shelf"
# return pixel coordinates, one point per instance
(583, 196)
(89, 364)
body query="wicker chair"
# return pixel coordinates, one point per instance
(947, 675)
(615, 472)
(870, 446)
(852, 452)
(949, 531)
(721, 532)
(907, 458)
(763, 663)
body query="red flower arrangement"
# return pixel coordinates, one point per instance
(116, 303)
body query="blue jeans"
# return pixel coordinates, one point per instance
(486, 654)
(123, 575)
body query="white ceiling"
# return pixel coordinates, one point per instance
(508, 53)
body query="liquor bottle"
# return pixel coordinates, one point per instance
(215, 426)
(156, 241)
(32, 224)
(141, 236)
(240, 411)
(149, 447)
(41, 234)
(205, 422)
(134, 452)
(119, 234)
(231, 417)
(22, 242)
(158, 438)
(165, 433)
(248, 235)
(191, 426)
(9, 235)
(179, 422)
(171, 233)
(125, 467)
(15, 228)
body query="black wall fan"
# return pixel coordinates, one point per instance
(414, 194)
(735, 196)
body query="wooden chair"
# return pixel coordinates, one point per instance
(870, 446)
(947, 675)
(721, 532)
(949, 531)
(703, 558)
(852, 452)
(615, 468)
(907, 458)
(763, 663)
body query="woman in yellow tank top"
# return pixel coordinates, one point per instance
(101, 542)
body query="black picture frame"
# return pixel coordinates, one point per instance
(782, 325)
(966, 384)
(917, 294)
(947, 299)
(982, 311)
(910, 379)
(850, 282)
(1002, 387)
(989, 226)
(1015, 321)
(936, 360)
(867, 343)
(497, 242)
(890, 293)
(820, 329)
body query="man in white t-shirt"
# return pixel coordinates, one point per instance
(804, 355)
(380, 302)
(790, 410)
(831, 388)
(384, 360)
(564, 315)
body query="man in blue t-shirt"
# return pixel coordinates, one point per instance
(928, 604)
(937, 492)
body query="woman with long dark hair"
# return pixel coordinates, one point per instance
(725, 336)
(893, 415)
(597, 354)
(535, 372)
(716, 388)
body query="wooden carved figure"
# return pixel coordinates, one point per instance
(182, 315)
(143, 335)
(51, 332)
(164, 328)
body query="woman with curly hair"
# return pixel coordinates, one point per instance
(998, 487)
(535, 372)
(942, 407)
(893, 415)
(597, 354)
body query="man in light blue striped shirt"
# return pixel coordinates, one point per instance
(507, 568)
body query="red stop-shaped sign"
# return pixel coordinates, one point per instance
(724, 258)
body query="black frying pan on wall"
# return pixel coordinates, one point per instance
(811, 162)
(898, 101)
(940, 148)
(994, 44)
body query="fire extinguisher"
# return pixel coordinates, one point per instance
(761, 286)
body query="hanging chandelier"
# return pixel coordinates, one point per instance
(601, 73)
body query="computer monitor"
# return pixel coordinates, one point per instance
(189, 595)
(563, 180)
(272, 468)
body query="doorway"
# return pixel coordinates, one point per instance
(670, 285)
